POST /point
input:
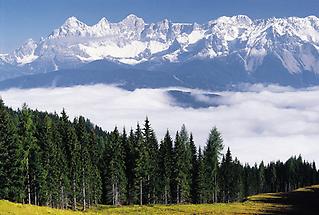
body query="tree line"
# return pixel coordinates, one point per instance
(47, 159)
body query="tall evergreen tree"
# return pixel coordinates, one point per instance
(142, 168)
(95, 176)
(186, 184)
(116, 169)
(29, 149)
(200, 178)
(212, 155)
(130, 157)
(70, 160)
(74, 167)
(228, 178)
(165, 167)
(10, 180)
(50, 167)
(60, 132)
(85, 161)
(261, 178)
(194, 170)
(182, 166)
(151, 145)
(237, 181)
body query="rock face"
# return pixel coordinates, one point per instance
(227, 50)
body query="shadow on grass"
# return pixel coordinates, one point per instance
(302, 201)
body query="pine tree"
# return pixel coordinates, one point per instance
(245, 180)
(188, 158)
(95, 176)
(151, 145)
(142, 168)
(74, 167)
(200, 181)
(273, 177)
(27, 139)
(194, 170)
(71, 159)
(85, 161)
(165, 167)
(182, 167)
(261, 178)
(10, 180)
(212, 154)
(130, 157)
(238, 183)
(61, 132)
(50, 167)
(116, 168)
(228, 178)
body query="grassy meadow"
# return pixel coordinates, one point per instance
(300, 201)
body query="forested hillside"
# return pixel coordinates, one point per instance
(48, 159)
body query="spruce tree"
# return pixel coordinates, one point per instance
(10, 179)
(228, 178)
(238, 182)
(116, 168)
(261, 178)
(49, 177)
(186, 184)
(194, 170)
(182, 170)
(86, 164)
(95, 176)
(212, 154)
(142, 168)
(29, 149)
(130, 157)
(200, 181)
(61, 133)
(74, 167)
(151, 145)
(165, 167)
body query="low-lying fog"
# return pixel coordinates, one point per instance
(263, 123)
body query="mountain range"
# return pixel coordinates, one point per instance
(219, 54)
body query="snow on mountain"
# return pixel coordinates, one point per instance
(3, 58)
(293, 41)
(23, 55)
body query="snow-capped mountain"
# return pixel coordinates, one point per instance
(284, 44)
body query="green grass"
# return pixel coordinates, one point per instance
(301, 201)
(232, 208)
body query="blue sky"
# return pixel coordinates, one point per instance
(23, 19)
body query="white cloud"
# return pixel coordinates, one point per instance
(265, 123)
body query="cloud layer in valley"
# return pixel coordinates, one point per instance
(264, 123)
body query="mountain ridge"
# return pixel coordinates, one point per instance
(245, 42)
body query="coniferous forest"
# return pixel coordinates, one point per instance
(49, 159)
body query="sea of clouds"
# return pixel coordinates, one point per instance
(261, 123)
